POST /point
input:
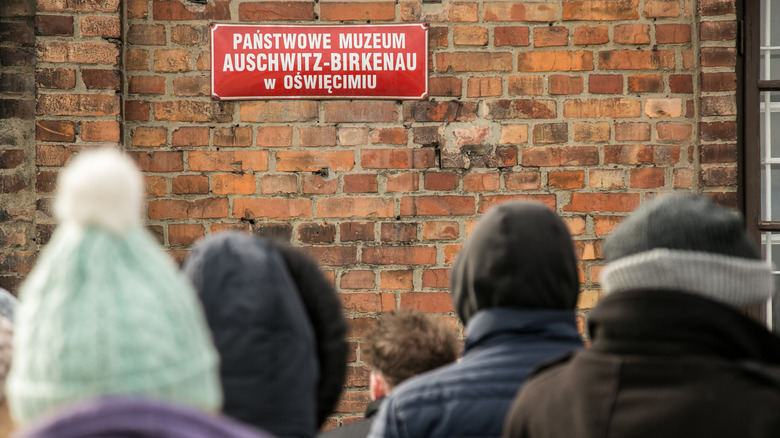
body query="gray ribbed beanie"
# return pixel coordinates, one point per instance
(689, 244)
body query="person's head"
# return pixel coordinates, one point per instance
(520, 255)
(687, 243)
(403, 344)
(105, 312)
(269, 365)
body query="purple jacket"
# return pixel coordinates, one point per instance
(124, 417)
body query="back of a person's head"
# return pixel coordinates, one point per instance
(520, 255)
(266, 342)
(105, 311)
(406, 343)
(687, 243)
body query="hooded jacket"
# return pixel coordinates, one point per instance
(662, 364)
(514, 285)
(122, 417)
(269, 367)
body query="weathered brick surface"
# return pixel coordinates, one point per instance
(590, 107)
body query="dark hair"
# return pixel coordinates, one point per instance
(408, 342)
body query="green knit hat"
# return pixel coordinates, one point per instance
(105, 311)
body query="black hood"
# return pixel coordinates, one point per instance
(519, 255)
(269, 366)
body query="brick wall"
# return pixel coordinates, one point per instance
(17, 143)
(588, 106)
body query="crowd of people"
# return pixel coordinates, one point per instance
(111, 339)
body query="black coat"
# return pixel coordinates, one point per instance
(662, 364)
(358, 429)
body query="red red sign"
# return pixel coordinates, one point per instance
(388, 61)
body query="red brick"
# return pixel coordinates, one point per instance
(514, 11)
(55, 130)
(363, 207)
(514, 134)
(340, 11)
(445, 87)
(603, 202)
(332, 255)
(718, 30)
(521, 109)
(233, 136)
(399, 255)
(356, 231)
(591, 131)
(190, 184)
(511, 36)
(617, 107)
(95, 105)
(645, 83)
(147, 136)
(189, 35)
(484, 87)
(358, 280)
(395, 280)
(184, 234)
(184, 111)
(350, 112)
(271, 208)
(525, 85)
(716, 7)
(547, 156)
(207, 208)
(100, 79)
(601, 10)
(658, 107)
(348, 136)
(481, 182)
(718, 105)
(172, 60)
(317, 233)
(161, 161)
(632, 131)
(548, 36)
(191, 86)
(11, 158)
(137, 59)
(190, 136)
(228, 161)
(672, 33)
(279, 111)
(147, 85)
(429, 302)
(719, 176)
(470, 36)
(317, 184)
(314, 161)
(566, 179)
(58, 78)
(718, 131)
(398, 232)
(54, 25)
(473, 135)
(274, 136)
(605, 84)
(488, 201)
(604, 225)
(631, 34)
(558, 60)
(561, 84)
(215, 10)
(386, 158)
(548, 133)
(314, 136)
(661, 9)
(404, 182)
(641, 154)
(718, 81)
(586, 35)
(646, 177)
(524, 180)
(473, 61)
(681, 83)
(606, 178)
(447, 111)
(273, 11)
(673, 131)
(437, 37)
(231, 183)
(718, 153)
(437, 206)
(361, 183)
(271, 184)
(636, 59)
(441, 181)
(389, 135)
(100, 26)
(718, 56)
